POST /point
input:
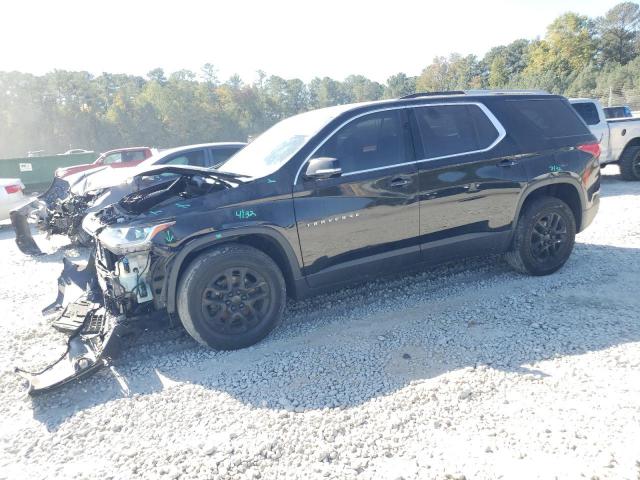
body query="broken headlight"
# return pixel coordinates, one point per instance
(121, 240)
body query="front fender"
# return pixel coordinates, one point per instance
(203, 242)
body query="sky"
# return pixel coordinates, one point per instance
(292, 39)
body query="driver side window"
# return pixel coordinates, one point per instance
(371, 141)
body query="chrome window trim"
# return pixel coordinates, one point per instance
(489, 114)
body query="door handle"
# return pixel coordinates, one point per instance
(507, 163)
(400, 181)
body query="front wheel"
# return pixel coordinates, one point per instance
(231, 297)
(544, 237)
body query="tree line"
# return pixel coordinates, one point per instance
(578, 56)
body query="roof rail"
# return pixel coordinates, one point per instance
(506, 92)
(431, 94)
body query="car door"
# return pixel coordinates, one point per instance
(365, 219)
(469, 189)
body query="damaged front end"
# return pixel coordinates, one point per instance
(58, 211)
(112, 299)
(107, 306)
(94, 334)
(123, 286)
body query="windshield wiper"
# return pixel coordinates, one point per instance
(228, 175)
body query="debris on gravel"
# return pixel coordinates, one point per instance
(468, 370)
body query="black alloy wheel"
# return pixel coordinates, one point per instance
(231, 296)
(548, 236)
(236, 300)
(543, 238)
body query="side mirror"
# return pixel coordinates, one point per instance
(323, 168)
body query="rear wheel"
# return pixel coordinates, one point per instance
(630, 163)
(544, 237)
(231, 297)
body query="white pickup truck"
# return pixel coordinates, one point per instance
(619, 137)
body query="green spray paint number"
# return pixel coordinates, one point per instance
(168, 236)
(245, 214)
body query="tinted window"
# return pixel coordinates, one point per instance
(588, 112)
(617, 112)
(219, 155)
(133, 156)
(553, 117)
(454, 129)
(195, 158)
(372, 141)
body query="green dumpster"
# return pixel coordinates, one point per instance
(37, 172)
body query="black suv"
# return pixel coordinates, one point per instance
(338, 194)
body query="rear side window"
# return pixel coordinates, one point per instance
(588, 112)
(219, 155)
(195, 158)
(454, 129)
(552, 118)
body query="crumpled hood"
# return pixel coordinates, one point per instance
(107, 177)
(191, 182)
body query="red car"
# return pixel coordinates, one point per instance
(118, 158)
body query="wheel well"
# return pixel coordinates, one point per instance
(269, 246)
(264, 243)
(565, 192)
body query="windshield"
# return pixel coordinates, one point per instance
(276, 146)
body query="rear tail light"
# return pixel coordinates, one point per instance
(13, 188)
(592, 148)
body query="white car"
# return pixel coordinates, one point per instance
(11, 196)
(75, 151)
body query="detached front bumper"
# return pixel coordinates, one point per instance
(95, 339)
(95, 332)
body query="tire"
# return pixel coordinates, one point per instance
(543, 238)
(227, 318)
(630, 164)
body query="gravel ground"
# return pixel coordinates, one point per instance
(464, 371)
